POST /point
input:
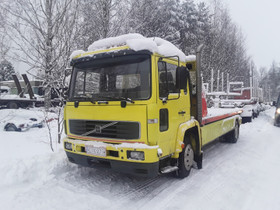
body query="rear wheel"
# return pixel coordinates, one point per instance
(233, 136)
(186, 159)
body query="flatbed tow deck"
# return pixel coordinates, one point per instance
(131, 108)
(11, 101)
(222, 119)
(20, 101)
(14, 103)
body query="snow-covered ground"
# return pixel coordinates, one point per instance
(234, 176)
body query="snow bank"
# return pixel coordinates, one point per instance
(22, 116)
(137, 42)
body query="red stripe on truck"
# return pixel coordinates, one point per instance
(220, 117)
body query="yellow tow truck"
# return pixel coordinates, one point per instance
(139, 112)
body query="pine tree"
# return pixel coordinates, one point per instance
(6, 70)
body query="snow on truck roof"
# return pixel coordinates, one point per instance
(136, 42)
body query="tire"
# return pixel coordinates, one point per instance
(12, 105)
(186, 160)
(11, 127)
(233, 136)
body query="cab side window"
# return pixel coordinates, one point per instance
(167, 79)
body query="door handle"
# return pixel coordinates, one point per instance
(182, 112)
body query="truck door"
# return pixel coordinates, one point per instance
(174, 106)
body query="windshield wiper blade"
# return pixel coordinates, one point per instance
(85, 98)
(128, 99)
(119, 98)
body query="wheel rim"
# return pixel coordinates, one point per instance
(188, 157)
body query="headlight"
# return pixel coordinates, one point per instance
(278, 111)
(136, 155)
(68, 146)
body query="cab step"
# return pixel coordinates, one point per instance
(169, 169)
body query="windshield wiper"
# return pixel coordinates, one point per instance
(85, 98)
(119, 98)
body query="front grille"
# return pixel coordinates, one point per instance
(105, 129)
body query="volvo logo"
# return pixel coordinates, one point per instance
(99, 128)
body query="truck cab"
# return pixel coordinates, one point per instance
(129, 103)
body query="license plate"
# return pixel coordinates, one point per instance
(97, 151)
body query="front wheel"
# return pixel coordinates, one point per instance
(185, 160)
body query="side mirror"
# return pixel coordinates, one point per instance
(189, 66)
(274, 103)
(182, 75)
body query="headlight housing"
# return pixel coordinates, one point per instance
(68, 146)
(136, 155)
(278, 111)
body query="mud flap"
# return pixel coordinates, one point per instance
(198, 160)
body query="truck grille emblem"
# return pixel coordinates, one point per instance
(98, 129)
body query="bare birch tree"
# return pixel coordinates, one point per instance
(4, 41)
(100, 19)
(43, 32)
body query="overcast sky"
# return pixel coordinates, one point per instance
(260, 23)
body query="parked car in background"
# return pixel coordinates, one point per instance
(247, 114)
(21, 124)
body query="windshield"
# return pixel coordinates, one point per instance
(112, 79)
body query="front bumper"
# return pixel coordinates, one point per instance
(138, 169)
(116, 157)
